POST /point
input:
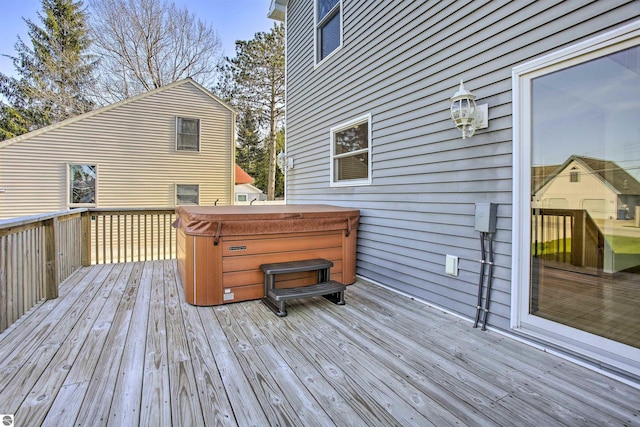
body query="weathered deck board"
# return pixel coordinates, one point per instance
(125, 407)
(120, 346)
(475, 380)
(109, 349)
(526, 365)
(214, 400)
(156, 400)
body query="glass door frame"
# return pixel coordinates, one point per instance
(612, 354)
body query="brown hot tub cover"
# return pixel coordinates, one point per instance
(218, 221)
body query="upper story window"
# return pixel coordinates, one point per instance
(188, 134)
(187, 194)
(574, 175)
(82, 185)
(350, 152)
(328, 36)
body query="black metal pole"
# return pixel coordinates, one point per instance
(489, 279)
(481, 281)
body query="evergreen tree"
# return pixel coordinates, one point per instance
(249, 147)
(254, 80)
(13, 122)
(54, 75)
(262, 169)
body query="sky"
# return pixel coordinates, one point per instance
(591, 110)
(232, 19)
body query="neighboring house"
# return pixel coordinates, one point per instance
(246, 192)
(369, 87)
(173, 145)
(600, 187)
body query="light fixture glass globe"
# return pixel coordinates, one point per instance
(463, 111)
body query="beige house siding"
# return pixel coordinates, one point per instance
(589, 193)
(133, 145)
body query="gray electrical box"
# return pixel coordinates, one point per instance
(486, 214)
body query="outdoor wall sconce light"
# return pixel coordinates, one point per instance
(284, 161)
(468, 116)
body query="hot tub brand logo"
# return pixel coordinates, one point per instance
(7, 420)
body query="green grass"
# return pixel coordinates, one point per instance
(551, 247)
(624, 244)
(619, 244)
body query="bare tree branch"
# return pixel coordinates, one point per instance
(145, 44)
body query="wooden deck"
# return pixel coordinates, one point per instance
(121, 347)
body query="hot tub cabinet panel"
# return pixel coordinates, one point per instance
(220, 249)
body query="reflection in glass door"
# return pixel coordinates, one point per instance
(585, 197)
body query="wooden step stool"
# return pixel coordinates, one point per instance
(275, 299)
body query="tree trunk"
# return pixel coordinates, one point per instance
(271, 188)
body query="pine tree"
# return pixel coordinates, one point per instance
(54, 76)
(261, 174)
(249, 149)
(254, 80)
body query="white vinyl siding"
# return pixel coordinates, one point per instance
(134, 145)
(402, 62)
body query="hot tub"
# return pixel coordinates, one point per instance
(221, 248)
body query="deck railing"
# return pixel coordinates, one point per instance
(568, 236)
(38, 252)
(127, 235)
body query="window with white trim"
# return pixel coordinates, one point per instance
(351, 152)
(187, 134)
(82, 180)
(328, 35)
(187, 194)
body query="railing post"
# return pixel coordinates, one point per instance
(51, 257)
(578, 239)
(85, 236)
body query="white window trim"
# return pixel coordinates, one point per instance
(316, 54)
(199, 134)
(176, 193)
(597, 348)
(354, 182)
(68, 185)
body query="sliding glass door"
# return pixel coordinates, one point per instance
(580, 203)
(585, 175)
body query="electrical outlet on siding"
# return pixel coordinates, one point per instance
(451, 265)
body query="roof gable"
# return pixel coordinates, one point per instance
(242, 177)
(109, 107)
(618, 179)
